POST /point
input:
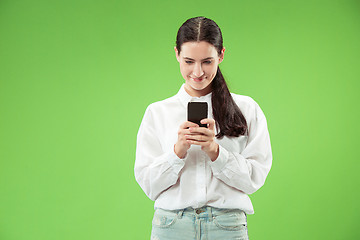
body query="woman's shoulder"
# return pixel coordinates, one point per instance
(247, 105)
(243, 100)
(165, 103)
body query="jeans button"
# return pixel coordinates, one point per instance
(198, 211)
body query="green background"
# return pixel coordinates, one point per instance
(77, 76)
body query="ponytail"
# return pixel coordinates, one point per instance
(227, 115)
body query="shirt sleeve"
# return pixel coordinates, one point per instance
(247, 171)
(155, 170)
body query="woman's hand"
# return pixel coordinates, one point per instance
(205, 137)
(182, 145)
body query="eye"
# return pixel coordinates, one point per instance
(207, 62)
(188, 62)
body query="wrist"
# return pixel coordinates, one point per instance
(180, 155)
(214, 153)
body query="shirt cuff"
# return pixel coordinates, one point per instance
(175, 162)
(219, 164)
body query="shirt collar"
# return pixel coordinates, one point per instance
(184, 97)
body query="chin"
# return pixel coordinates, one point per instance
(199, 86)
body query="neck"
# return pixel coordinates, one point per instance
(198, 93)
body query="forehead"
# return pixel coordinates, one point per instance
(198, 50)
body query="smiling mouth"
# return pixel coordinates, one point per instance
(197, 79)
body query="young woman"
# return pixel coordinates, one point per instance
(200, 178)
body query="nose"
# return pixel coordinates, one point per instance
(198, 72)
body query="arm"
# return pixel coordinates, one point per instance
(155, 169)
(247, 171)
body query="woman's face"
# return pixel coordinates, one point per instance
(198, 66)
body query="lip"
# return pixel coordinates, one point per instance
(197, 79)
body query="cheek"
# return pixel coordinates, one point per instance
(211, 70)
(185, 70)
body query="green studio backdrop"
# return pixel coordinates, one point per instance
(77, 76)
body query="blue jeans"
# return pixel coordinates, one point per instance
(199, 224)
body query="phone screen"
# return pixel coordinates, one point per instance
(197, 111)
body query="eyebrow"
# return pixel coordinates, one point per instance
(208, 58)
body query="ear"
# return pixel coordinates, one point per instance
(221, 57)
(177, 54)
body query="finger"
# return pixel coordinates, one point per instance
(188, 124)
(198, 138)
(210, 122)
(187, 131)
(202, 130)
(191, 142)
(200, 143)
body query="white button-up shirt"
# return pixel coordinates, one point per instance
(195, 181)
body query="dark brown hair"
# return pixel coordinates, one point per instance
(227, 115)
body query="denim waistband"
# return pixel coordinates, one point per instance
(205, 211)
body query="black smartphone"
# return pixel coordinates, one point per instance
(197, 111)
